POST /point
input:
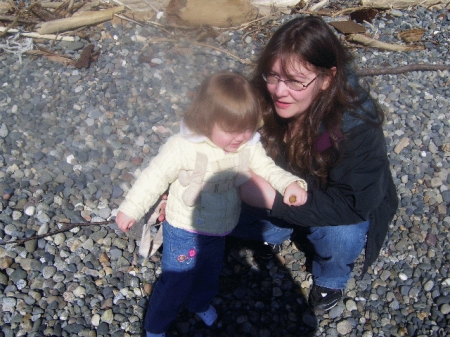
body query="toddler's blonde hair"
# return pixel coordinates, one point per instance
(226, 99)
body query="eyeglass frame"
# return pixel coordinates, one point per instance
(287, 81)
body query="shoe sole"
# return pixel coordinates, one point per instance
(321, 310)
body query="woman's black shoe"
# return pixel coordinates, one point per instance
(267, 250)
(322, 299)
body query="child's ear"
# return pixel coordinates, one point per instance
(327, 79)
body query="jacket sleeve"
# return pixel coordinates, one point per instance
(357, 184)
(264, 166)
(154, 180)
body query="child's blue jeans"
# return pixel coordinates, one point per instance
(336, 247)
(191, 265)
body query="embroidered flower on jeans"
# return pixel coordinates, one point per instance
(191, 254)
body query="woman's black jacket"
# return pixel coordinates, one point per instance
(360, 186)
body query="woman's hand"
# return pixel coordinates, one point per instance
(294, 195)
(124, 221)
(257, 192)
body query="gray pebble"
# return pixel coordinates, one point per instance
(344, 327)
(3, 279)
(18, 274)
(445, 309)
(48, 272)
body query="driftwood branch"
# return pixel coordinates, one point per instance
(318, 6)
(40, 36)
(64, 229)
(367, 41)
(86, 19)
(399, 4)
(402, 69)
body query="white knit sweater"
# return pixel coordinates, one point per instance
(204, 180)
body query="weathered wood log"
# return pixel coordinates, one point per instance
(399, 4)
(86, 19)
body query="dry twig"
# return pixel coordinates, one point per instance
(250, 23)
(19, 19)
(42, 13)
(41, 36)
(12, 24)
(222, 51)
(158, 25)
(71, 2)
(316, 7)
(401, 69)
(64, 229)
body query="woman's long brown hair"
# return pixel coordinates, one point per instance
(308, 40)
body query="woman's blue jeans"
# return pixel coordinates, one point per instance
(335, 247)
(191, 266)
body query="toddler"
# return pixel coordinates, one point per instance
(203, 167)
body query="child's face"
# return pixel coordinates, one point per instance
(229, 141)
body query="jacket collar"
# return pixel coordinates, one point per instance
(365, 110)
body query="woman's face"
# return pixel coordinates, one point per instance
(290, 103)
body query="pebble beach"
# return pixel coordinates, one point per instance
(74, 140)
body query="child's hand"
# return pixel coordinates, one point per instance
(294, 195)
(124, 221)
(162, 209)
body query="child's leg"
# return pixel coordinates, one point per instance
(179, 263)
(210, 259)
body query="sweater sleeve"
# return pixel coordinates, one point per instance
(264, 166)
(356, 187)
(154, 180)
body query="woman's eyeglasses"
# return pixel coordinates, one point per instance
(291, 84)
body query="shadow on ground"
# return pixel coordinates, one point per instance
(257, 297)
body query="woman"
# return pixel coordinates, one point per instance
(320, 124)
